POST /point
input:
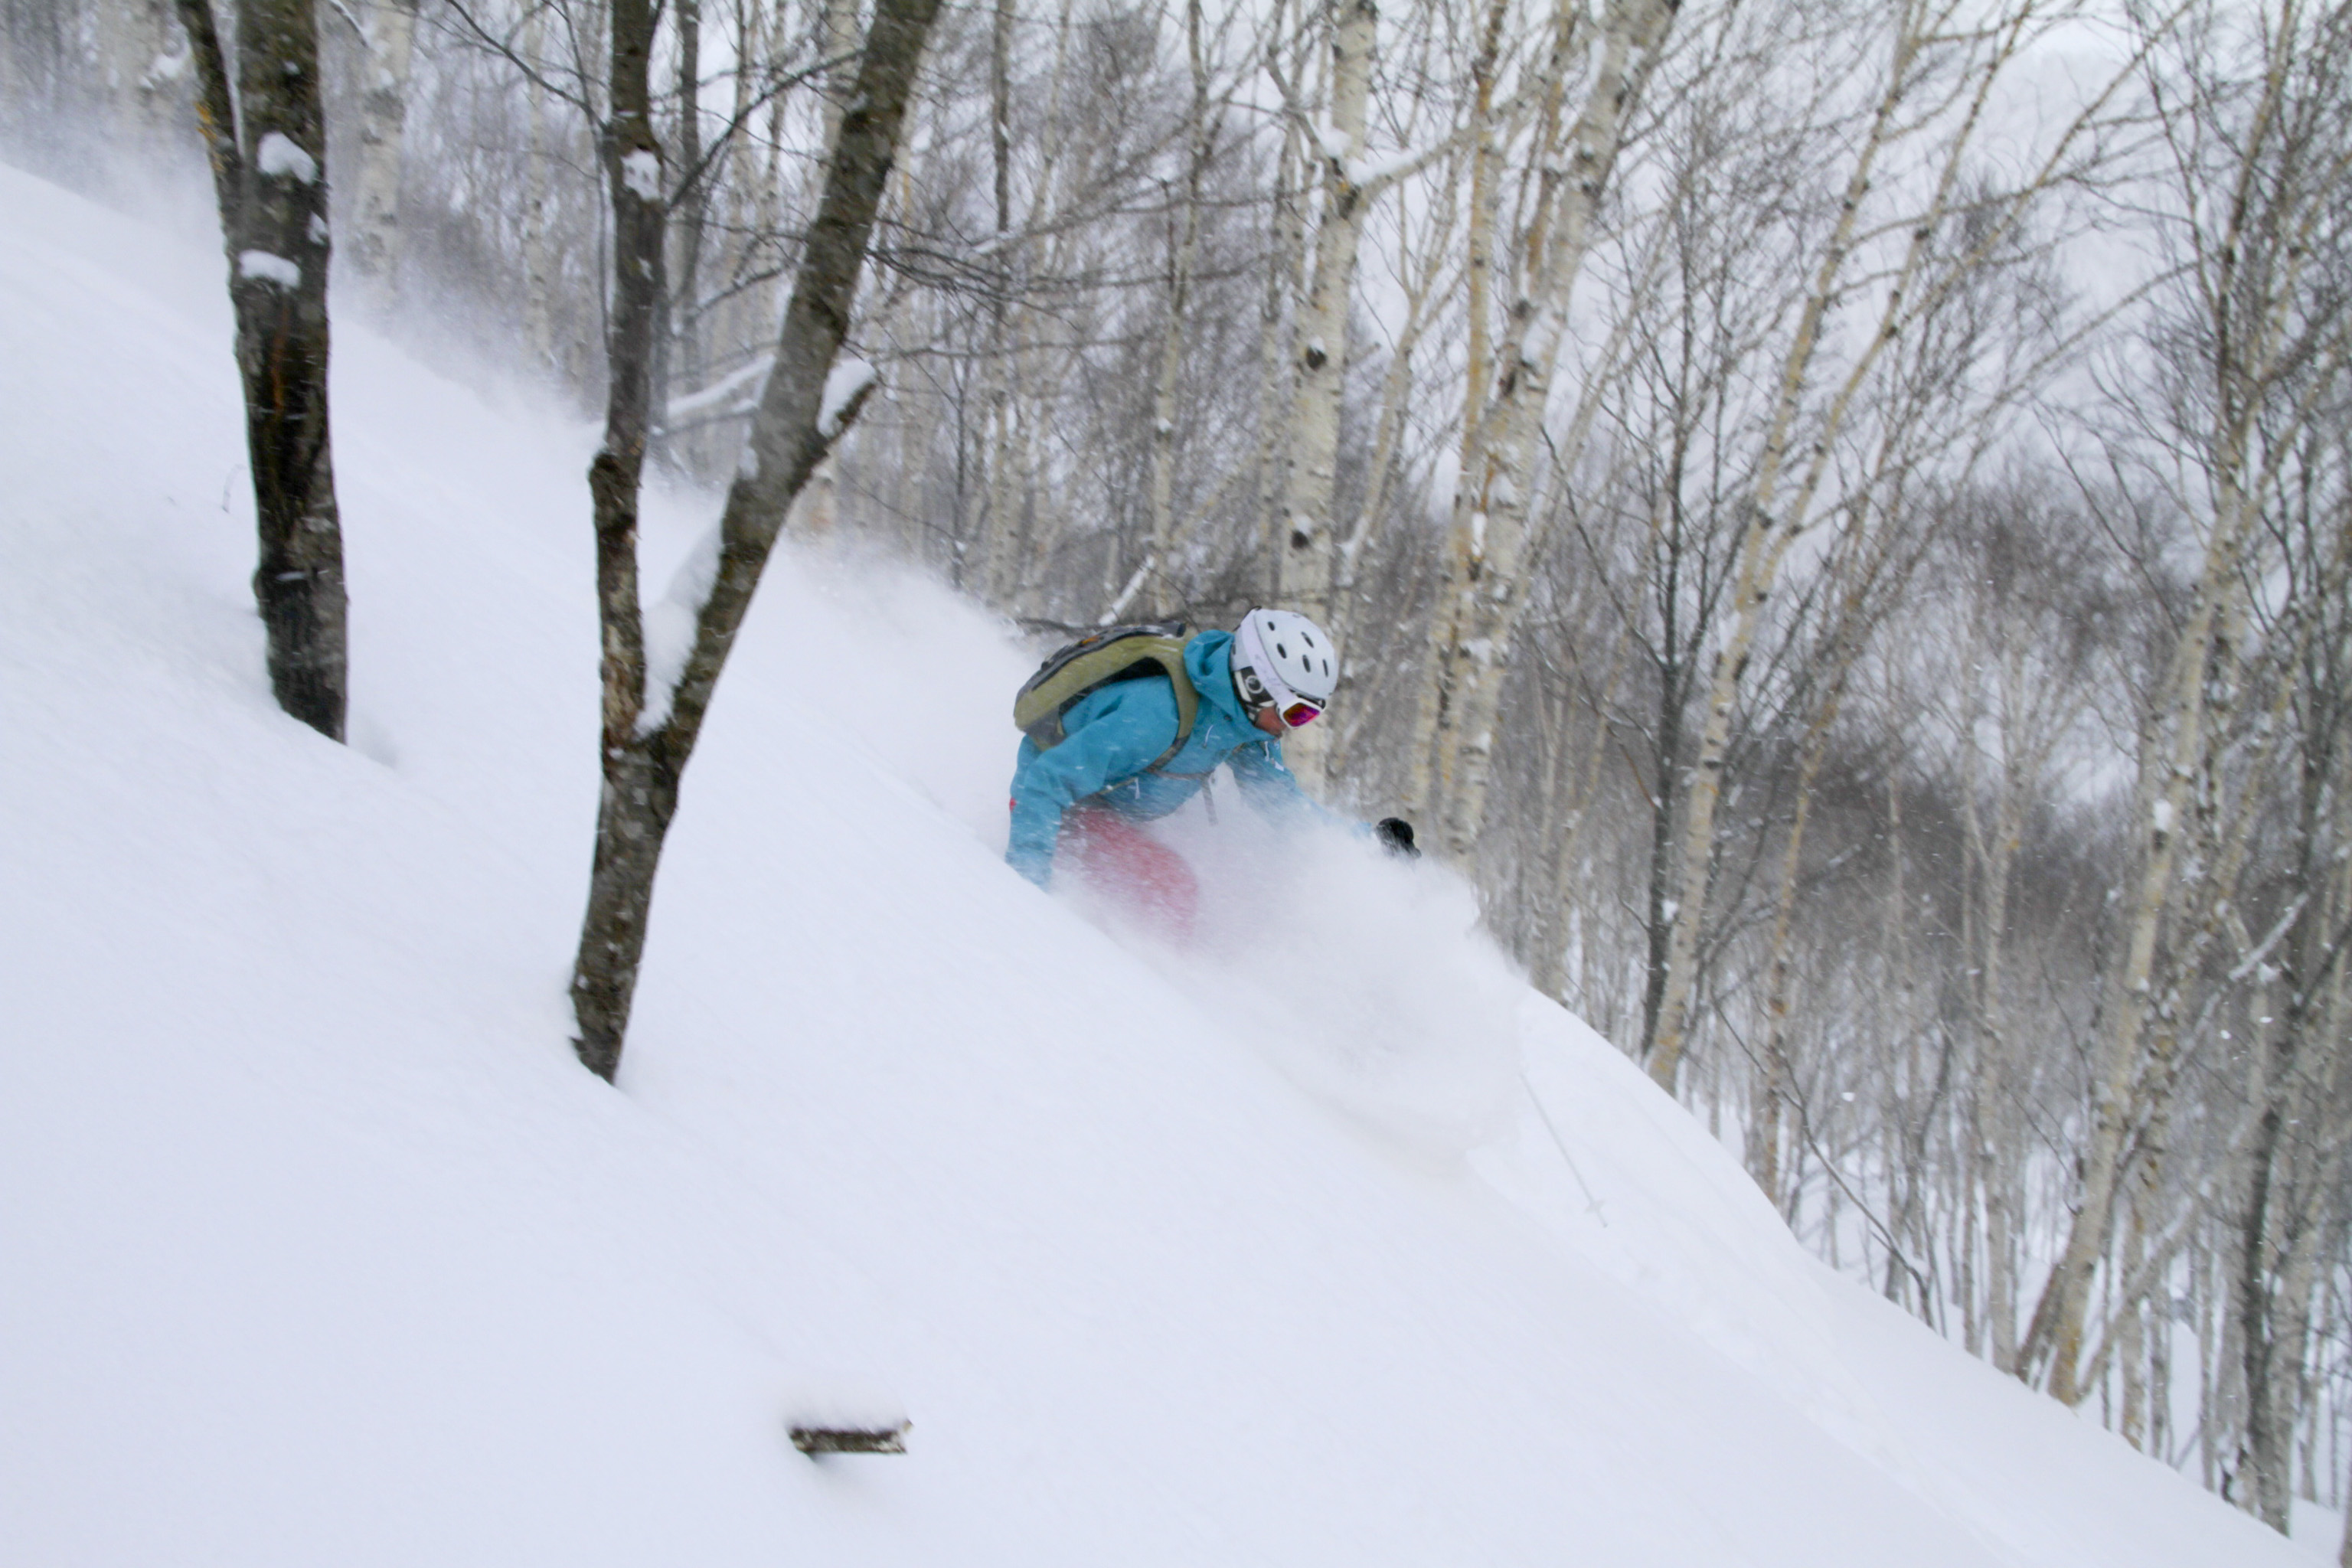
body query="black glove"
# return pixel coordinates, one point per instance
(1395, 834)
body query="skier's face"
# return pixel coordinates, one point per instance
(1267, 719)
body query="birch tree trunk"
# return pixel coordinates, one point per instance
(651, 725)
(1160, 539)
(1418, 281)
(538, 197)
(2130, 1349)
(1866, 575)
(1478, 265)
(678, 343)
(1994, 1154)
(1766, 538)
(2293, 1179)
(130, 53)
(1018, 535)
(1483, 588)
(2285, 171)
(383, 113)
(1304, 530)
(267, 150)
(1776, 1074)
(2175, 741)
(1277, 401)
(2031, 708)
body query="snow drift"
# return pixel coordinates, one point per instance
(317, 1246)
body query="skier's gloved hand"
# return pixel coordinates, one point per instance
(1395, 834)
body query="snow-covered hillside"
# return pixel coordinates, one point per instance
(1327, 1244)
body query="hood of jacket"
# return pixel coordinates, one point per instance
(1209, 660)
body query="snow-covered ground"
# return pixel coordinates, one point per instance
(1328, 1243)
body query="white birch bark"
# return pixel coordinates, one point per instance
(1277, 405)
(1419, 280)
(383, 114)
(2130, 1339)
(147, 66)
(1306, 557)
(1483, 588)
(1019, 537)
(1154, 574)
(1767, 536)
(538, 250)
(1326, 758)
(2175, 740)
(2032, 709)
(1479, 262)
(1995, 1155)
(2250, 291)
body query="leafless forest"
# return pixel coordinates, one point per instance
(1838, 513)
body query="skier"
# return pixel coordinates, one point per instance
(1131, 748)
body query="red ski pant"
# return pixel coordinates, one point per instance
(1138, 873)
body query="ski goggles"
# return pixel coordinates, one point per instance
(1268, 692)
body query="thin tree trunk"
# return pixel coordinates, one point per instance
(1778, 1076)
(2282, 1223)
(649, 735)
(2175, 742)
(1766, 537)
(1478, 271)
(680, 341)
(1001, 540)
(1277, 405)
(1160, 523)
(2159, 1373)
(1305, 530)
(383, 113)
(1420, 292)
(1484, 587)
(1861, 570)
(2129, 1318)
(639, 794)
(1019, 537)
(1549, 970)
(1994, 1157)
(538, 195)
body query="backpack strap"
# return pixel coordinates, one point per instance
(1095, 662)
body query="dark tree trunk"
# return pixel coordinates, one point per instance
(2274, 1324)
(639, 796)
(639, 799)
(1674, 691)
(790, 436)
(269, 175)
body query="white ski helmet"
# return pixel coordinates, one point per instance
(1290, 656)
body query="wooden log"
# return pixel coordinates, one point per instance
(816, 1440)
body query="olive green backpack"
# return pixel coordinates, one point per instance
(1093, 661)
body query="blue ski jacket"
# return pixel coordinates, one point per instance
(1111, 737)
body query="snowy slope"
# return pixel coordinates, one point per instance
(317, 1245)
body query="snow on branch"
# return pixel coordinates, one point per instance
(719, 391)
(670, 626)
(1372, 175)
(848, 381)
